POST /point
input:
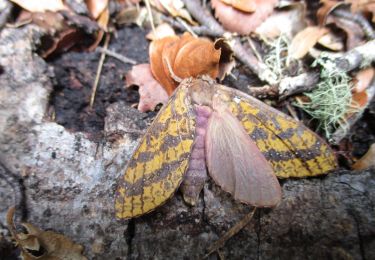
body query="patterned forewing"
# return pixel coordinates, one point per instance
(291, 148)
(157, 167)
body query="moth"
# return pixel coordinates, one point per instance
(210, 129)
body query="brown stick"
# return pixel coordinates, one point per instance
(99, 71)
(358, 57)
(230, 233)
(264, 91)
(294, 85)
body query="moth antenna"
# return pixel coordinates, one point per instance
(173, 75)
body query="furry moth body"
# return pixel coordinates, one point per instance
(240, 142)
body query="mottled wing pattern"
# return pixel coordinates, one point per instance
(291, 148)
(157, 167)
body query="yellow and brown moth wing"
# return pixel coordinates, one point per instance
(291, 148)
(158, 165)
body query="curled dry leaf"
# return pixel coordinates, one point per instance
(327, 7)
(359, 101)
(242, 5)
(103, 19)
(367, 161)
(47, 244)
(354, 33)
(184, 56)
(332, 42)
(305, 40)
(150, 91)
(363, 79)
(287, 21)
(364, 6)
(161, 31)
(241, 22)
(65, 30)
(227, 61)
(96, 7)
(362, 94)
(41, 5)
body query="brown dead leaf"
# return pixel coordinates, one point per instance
(128, 2)
(327, 7)
(176, 8)
(248, 6)
(150, 91)
(367, 161)
(41, 5)
(161, 31)
(52, 22)
(64, 30)
(48, 244)
(354, 33)
(241, 22)
(96, 7)
(332, 42)
(132, 15)
(184, 56)
(103, 19)
(363, 79)
(227, 61)
(363, 6)
(287, 21)
(359, 100)
(156, 62)
(305, 40)
(197, 57)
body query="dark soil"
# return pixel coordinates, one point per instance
(75, 74)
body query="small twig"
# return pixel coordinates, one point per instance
(294, 85)
(186, 26)
(116, 55)
(292, 111)
(171, 72)
(360, 56)
(357, 18)
(148, 6)
(230, 233)
(252, 46)
(203, 16)
(198, 30)
(99, 70)
(264, 91)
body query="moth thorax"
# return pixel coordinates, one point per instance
(201, 92)
(196, 174)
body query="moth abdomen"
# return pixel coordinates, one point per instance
(196, 174)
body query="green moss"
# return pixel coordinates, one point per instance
(331, 100)
(276, 58)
